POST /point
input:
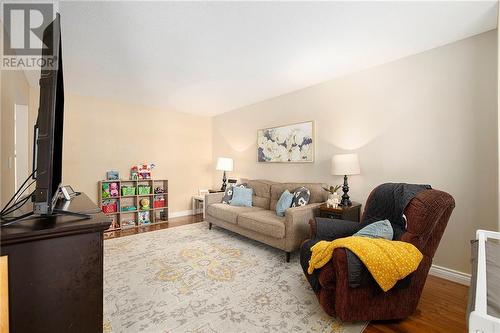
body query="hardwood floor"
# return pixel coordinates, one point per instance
(441, 309)
(173, 222)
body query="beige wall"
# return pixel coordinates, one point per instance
(14, 90)
(101, 135)
(429, 118)
(95, 141)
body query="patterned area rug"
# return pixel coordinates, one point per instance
(191, 279)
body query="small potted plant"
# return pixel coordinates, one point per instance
(333, 197)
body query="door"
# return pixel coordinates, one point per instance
(21, 144)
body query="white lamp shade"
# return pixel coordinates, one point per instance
(345, 164)
(224, 164)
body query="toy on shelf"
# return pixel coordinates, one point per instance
(144, 203)
(112, 175)
(143, 218)
(128, 224)
(159, 198)
(114, 224)
(105, 191)
(113, 190)
(141, 171)
(163, 216)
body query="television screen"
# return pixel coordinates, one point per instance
(47, 152)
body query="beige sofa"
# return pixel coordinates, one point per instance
(260, 222)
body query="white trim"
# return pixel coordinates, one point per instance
(450, 274)
(181, 213)
(185, 213)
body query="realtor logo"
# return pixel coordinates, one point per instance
(24, 24)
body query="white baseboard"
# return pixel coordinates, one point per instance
(450, 274)
(185, 213)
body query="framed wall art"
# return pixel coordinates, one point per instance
(286, 144)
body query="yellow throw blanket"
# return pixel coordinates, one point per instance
(388, 261)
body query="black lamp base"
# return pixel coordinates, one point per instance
(345, 197)
(224, 179)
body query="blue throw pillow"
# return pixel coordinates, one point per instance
(379, 229)
(284, 203)
(242, 196)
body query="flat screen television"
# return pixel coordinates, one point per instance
(48, 131)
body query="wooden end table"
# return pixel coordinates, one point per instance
(349, 213)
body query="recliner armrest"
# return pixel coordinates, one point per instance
(335, 271)
(330, 229)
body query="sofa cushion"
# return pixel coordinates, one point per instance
(228, 193)
(284, 203)
(261, 191)
(242, 196)
(228, 213)
(301, 196)
(265, 222)
(318, 194)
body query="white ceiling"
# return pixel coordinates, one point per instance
(212, 57)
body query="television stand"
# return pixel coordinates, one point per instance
(69, 213)
(55, 212)
(56, 264)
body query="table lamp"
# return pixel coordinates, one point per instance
(224, 164)
(344, 165)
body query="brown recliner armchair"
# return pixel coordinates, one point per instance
(427, 216)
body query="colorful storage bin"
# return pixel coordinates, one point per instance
(128, 190)
(109, 207)
(159, 204)
(143, 189)
(129, 208)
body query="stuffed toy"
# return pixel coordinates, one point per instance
(144, 203)
(113, 190)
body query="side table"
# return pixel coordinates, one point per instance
(349, 213)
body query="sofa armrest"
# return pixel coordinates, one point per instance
(212, 198)
(297, 224)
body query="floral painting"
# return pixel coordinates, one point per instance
(290, 143)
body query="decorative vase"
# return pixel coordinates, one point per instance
(334, 199)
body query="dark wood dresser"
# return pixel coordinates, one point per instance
(55, 271)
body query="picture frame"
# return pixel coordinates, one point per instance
(291, 143)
